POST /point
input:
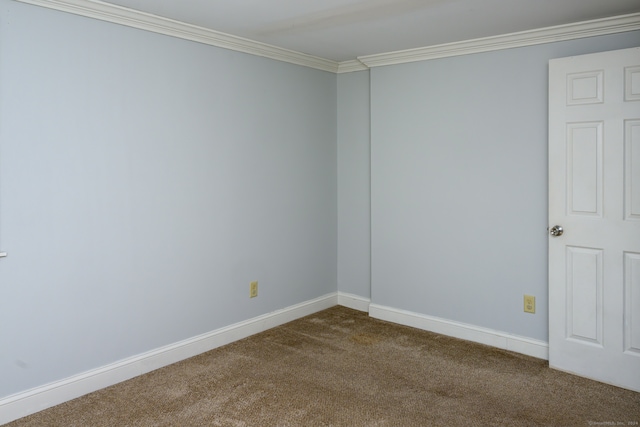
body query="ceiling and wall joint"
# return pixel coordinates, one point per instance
(149, 22)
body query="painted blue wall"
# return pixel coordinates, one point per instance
(144, 182)
(459, 184)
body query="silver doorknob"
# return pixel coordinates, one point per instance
(556, 230)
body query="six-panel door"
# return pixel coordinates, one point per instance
(594, 194)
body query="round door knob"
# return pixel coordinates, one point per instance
(556, 230)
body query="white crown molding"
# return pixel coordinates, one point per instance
(351, 66)
(146, 21)
(598, 27)
(43, 397)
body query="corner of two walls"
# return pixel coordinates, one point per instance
(354, 190)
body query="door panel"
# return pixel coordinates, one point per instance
(584, 168)
(632, 169)
(584, 294)
(584, 88)
(632, 303)
(632, 83)
(594, 194)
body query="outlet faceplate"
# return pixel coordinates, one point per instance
(529, 304)
(253, 289)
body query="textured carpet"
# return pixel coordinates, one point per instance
(341, 368)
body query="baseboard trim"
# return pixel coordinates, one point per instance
(503, 340)
(39, 398)
(355, 302)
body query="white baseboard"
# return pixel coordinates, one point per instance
(503, 340)
(43, 397)
(355, 302)
(39, 398)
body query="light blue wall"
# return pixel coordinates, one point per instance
(459, 184)
(144, 182)
(354, 193)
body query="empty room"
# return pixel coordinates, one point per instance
(349, 212)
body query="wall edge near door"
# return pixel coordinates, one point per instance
(37, 399)
(503, 340)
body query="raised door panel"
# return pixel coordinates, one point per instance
(585, 88)
(632, 170)
(632, 84)
(584, 295)
(632, 303)
(584, 169)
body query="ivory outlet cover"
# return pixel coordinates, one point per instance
(529, 304)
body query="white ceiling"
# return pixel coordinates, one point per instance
(342, 30)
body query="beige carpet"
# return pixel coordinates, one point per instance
(341, 368)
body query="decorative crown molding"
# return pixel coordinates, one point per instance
(597, 27)
(145, 21)
(157, 24)
(351, 66)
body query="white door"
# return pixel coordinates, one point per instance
(594, 195)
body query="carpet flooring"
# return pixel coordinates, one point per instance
(340, 367)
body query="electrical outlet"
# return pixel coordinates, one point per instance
(253, 289)
(529, 304)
